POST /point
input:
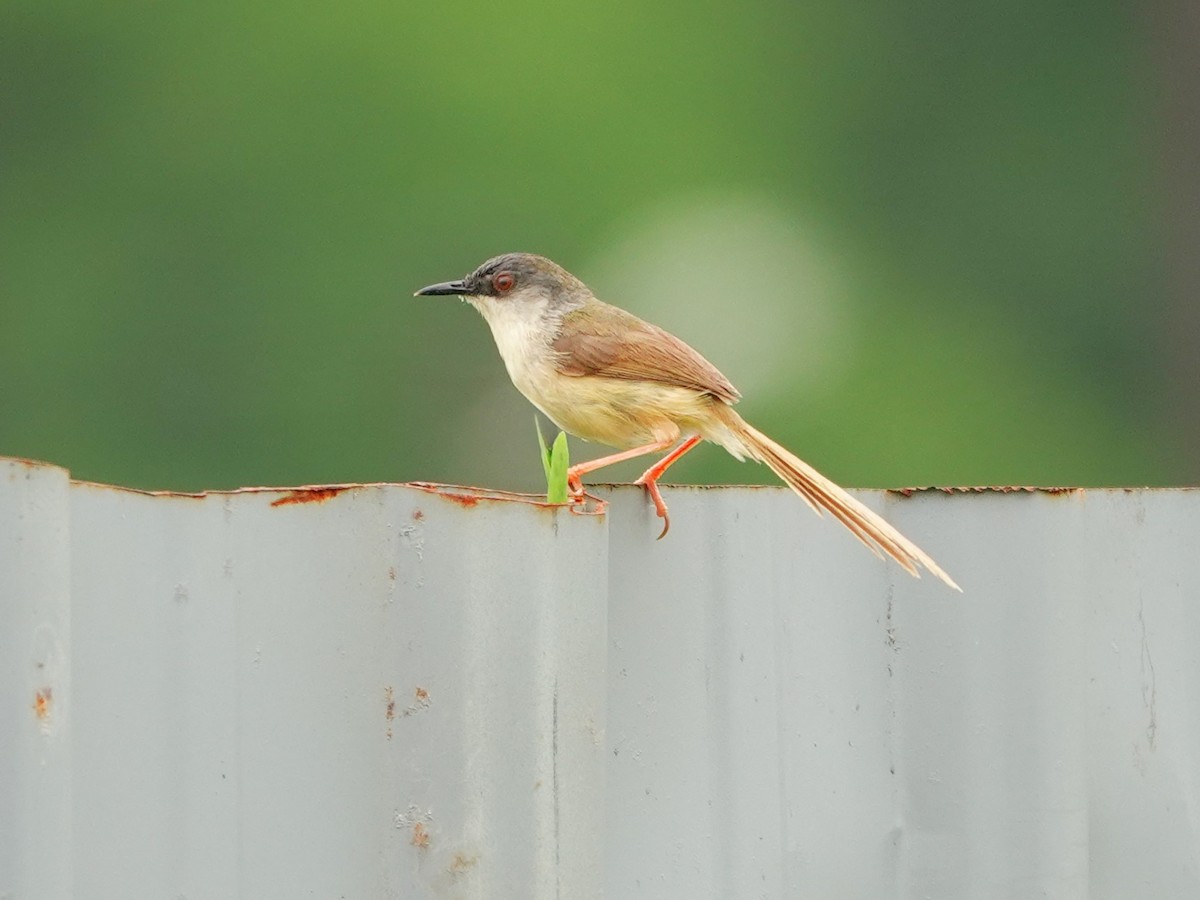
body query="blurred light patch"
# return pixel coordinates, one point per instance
(752, 287)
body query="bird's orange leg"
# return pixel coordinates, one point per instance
(649, 480)
(575, 473)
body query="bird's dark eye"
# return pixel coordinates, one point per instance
(503, 282)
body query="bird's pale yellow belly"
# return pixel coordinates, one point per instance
(618, 412)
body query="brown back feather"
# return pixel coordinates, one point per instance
(618, 344)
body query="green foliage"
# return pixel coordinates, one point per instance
(214, 216)
(555, 462)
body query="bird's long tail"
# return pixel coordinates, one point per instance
(822, 494)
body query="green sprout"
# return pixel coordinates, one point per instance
(554, 461)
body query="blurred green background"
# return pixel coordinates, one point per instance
(931, 242)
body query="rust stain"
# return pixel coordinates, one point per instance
(389, 696)
(308, 495)
(29, 466)
(30, 463)
(465, 500)
(41, 703)
(422, 702)
(420, 836)
(391, 573)
(327, 489)
(461, 863)
(986, 489)
(464, 496)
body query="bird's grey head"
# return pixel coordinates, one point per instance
(516, 277)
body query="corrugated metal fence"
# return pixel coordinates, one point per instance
(387, 691)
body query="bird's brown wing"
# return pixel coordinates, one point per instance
(617, 344)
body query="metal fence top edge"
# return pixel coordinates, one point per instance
(469, 495)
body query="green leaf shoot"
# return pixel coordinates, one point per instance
(555, 462)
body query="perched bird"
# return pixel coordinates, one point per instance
(605, 375)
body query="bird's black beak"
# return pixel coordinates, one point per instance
(445, 287)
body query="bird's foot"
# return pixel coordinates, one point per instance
(575, 485)
(660, 506)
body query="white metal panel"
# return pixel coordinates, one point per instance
(371, 695)
(791, 718)
(751, 709)
(991, 719)
(382, 691)
(1142, 592)
(35, 680)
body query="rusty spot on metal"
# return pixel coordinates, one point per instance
(461, 863)
(41, 703)
(391, 573)
(29, 465)
(985, 489)
(389, 713)
(420, 836)
(422, 702)
(203, 495)
(471, 496)
(309, 495)
(418, 515)
(322, 491)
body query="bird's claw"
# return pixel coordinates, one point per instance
(660, 506)
(666, 526)
(575, 487)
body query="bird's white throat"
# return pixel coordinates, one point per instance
(522, 329)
